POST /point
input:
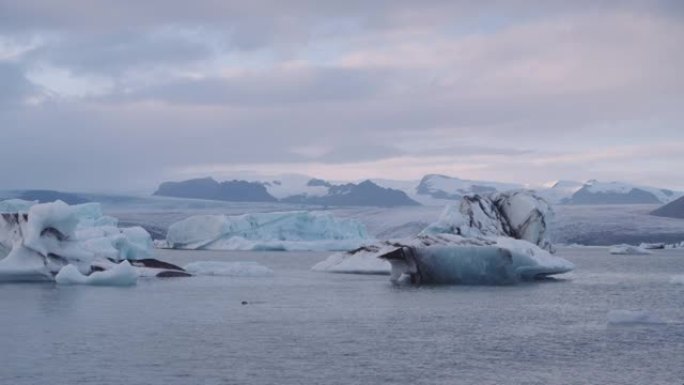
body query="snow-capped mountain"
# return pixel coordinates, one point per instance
(290, 189)
(595, 192)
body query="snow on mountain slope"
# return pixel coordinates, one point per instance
(285, 186)
(557, 191)
(595, 192)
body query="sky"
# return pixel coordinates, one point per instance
(119, 96)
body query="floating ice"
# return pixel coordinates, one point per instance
(628, 250)
(488, 240)
(360, 261)
(629, 317)
(229, 269)
(677, 279)
(653, 246)
(297, 230)
(121, 274)
(39, 243)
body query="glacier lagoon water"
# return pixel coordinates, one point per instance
(303, 327)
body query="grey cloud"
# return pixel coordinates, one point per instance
(267, 88)
(114, 52)
(361, 151)
(14, 86)
(140, 133)
(103, 14)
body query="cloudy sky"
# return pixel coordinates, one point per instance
(120, 95)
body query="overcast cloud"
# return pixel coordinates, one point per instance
(101, 95)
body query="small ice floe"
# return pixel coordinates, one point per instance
(121, 274)
(632, 317)
(677, 280)
(228, 269)
(628, 250)
(652, 246)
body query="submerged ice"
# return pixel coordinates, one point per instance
(296, 230)
(495, 239)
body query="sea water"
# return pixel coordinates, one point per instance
(304, 327)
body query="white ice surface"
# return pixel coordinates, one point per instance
(631, 317)
(228, 269)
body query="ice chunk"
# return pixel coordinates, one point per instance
(361, 261)
(229, 269)
(488, 240)
(461, 261)
(629, 317)
(121, 274)
(36, 245)
(297, 230)
(628, 250)
(677, 279)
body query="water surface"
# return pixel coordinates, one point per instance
(303, 327)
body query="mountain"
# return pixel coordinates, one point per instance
(674, 209)
(44, 196)
(365, 193)
(595, 192)
(290, 189)
(451, 188)
(208, 188)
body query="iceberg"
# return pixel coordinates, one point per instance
(280, 231)
(228, 269)
(76, 243)
(628, 250)
(495, 239)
